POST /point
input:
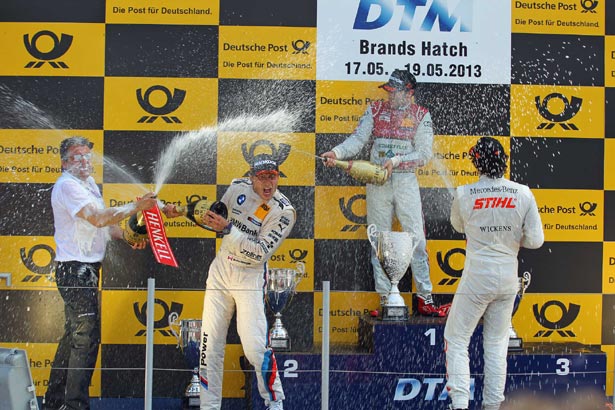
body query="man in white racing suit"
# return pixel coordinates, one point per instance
(401, 137)
(261, 217)
(498, 217)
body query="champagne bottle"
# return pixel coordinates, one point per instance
(195, 211)
(364, 171)
(135, 230)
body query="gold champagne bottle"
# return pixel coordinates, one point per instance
(135, 230)
(364, 171)
(195, 211)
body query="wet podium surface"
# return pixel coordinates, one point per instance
(401, 365)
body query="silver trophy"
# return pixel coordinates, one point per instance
(515, 343)
(281, 285)
(188, 340)
(394, 251)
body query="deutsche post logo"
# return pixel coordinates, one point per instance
(60, 47)
(173, 101)
(297, 255)
(454, 274)
(279, 153)
(570, 109)
(301, 46)
(161, 324)
(589, 6)
(567, 316)
(38, 270)
(347, 210)
(588, 208)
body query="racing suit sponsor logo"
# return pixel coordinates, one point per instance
(495, 202)
(255, 221)
(496, 229)
(251, 255)
(243, 228)
(203, 367)
(241, 199)
(502, 189)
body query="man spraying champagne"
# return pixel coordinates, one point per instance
(401, 136)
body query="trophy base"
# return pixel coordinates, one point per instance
(515, 344)
(280, 345)
(193, 402)
(395, 313)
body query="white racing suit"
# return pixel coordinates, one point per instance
(498, 216)
(237, 279)
(406, 137)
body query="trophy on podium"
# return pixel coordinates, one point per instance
(394, 251)
(515, 343)
(281, 284)
(188, 340)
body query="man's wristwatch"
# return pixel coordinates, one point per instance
(227, 229)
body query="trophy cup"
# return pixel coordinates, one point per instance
(394, 251)
(515, 343)
(281, 284)
(188, 340)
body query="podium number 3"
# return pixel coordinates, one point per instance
(564, 366)
(431, 333)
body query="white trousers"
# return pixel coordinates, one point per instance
(489, 294)
(228, 288)
(399, 197)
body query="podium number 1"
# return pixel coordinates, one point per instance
(432, 336)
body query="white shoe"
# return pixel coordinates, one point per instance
(275, 405)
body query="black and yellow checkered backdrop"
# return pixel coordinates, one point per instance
(135, 75)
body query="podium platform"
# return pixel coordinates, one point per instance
(401, 365)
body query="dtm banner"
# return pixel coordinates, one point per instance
(443, 41)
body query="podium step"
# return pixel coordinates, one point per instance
(401, 365)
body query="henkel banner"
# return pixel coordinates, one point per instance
(158, 238)
(439, 41)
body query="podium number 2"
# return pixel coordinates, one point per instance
(432, 336)
(289, 368)
(564, 368)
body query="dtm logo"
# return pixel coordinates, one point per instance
(279, 153)
(446, 267)
(29, 261)
(59, 48)
(375, 14)
(173, 101)
(435, 389)
(161, 324)
(567, 316)
(589, 6)
(495, 202)
(346, 208)
(569, 110)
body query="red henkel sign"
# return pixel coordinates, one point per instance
(158, 238)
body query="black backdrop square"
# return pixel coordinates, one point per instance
(144, 50)
(543, 59)
(557, 163)
(51, 102)
(563, 267)
(136, 154)
(268, 13)
(467, 109)
(262, 97)
(75, 11)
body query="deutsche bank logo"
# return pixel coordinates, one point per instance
(443, 14)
